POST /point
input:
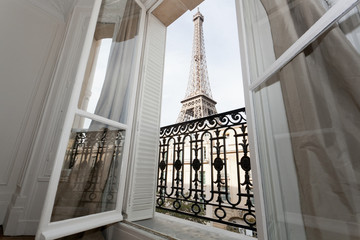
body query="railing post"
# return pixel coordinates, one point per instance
(225, 138)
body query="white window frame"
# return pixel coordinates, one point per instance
(250, 87)
(53, 230)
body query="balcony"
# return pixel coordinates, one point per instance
(204, 175)
(204, 172)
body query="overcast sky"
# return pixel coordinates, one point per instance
(222, 55)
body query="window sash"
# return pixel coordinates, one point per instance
(325, 22)
(53, 230)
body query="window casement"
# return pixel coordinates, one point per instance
(294, 56)
(140, 191)
(270, 128)
(86, 188)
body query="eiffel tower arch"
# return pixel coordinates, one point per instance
(198, 100)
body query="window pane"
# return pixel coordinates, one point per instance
(273, 26)
(90, 174)
(350, 26)
(307, 119)
(110, 75)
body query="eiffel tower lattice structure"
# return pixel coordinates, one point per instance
(198, 102)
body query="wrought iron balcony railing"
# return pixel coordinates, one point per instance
(89, 179)
(204, 170)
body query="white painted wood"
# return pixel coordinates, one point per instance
(141, 184)
(252, 132)
(149, 3)
(272, 128)
(64, 81)
(24, 213)
(55, 176)
(71, 226)
(281, 140)
(26, 66)
(49, 230)
(101, 119)
(324, 23)
(154, 5)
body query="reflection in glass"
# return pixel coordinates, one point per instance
(308, 119)
(273, 26)
(90, 174)
(350, 26)
(109, 78)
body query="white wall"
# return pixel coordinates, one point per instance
(37, 55)
(30, 41)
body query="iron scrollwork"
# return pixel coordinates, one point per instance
(89, 180)
(204, 170)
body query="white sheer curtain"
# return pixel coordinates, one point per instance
(113, 101)
(89, 184)
(321, 92)
(349, 24)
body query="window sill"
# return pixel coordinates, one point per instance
(168, 227)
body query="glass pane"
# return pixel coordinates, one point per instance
(90, 174)
(273, 26)
(109, 78)
(350, 26)
(307, 119)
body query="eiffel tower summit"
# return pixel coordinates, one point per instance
(198, 100)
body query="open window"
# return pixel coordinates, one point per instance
(302, 64)
(302, 103)
(88, 180)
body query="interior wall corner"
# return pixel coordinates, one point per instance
(22, 209)
(170, 10)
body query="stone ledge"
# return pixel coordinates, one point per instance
(176, 228)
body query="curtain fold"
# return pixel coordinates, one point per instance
(113, 101)
(89, 184)
(321, 91)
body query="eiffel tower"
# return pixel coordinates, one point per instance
(198, 100)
